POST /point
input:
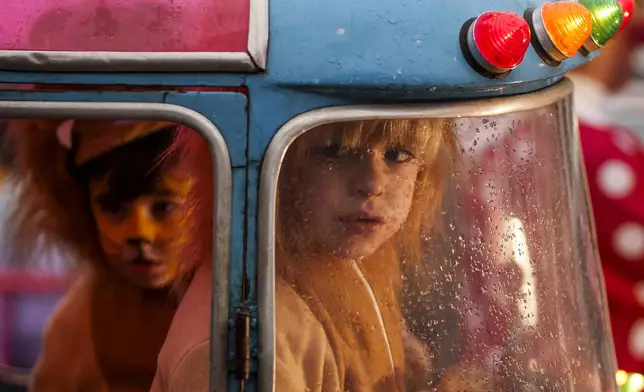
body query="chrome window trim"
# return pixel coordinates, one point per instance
(223, 190)
(251, 60)
(68, 61)
(258, 32)
(306, 121)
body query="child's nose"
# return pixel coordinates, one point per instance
(369, 180)
(141, 224)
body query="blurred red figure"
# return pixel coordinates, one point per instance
(614, 159)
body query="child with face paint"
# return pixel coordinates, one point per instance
(101, 191)
(353, 200)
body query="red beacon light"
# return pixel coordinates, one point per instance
(627, 8)
(495, 43)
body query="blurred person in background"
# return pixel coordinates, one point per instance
(29, 289)
(614, 160)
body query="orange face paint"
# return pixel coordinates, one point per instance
(138, 236)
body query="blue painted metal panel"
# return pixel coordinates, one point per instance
(227, 110)
(396, 45)
(390, 49)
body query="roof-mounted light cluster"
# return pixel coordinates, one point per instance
(495, 43)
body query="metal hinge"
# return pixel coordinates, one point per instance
(242, 345)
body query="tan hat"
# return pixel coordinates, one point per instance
(95, 138)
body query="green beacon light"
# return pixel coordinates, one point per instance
(607, 19)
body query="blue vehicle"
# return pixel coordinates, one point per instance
(505, 291)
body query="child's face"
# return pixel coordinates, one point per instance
(351, 201)
(136, 235)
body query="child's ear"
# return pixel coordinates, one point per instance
(64, 133)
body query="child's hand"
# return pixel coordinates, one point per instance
(418, 363)
(465, 377)
(416, 353)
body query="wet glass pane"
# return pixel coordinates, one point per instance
(439, 255)
(90, 218)
(125, 26)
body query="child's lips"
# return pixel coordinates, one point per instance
(147, 265)
(362, 222)
(363, 216)
(145, 261)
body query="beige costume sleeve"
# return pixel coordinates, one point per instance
(304, 359)
(67, 362)
(184, 361)
(190, 375)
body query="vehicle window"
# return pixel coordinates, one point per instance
(422, 253)
(91, 216)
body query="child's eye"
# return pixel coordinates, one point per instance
(161, 209)
(332, 150)
(398, 155)
(116, 211)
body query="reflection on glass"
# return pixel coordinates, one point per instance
(94, 225)
(435, 255)
(125, 26)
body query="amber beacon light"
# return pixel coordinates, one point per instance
(607, 18)
(560, 29)
(495, 43)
